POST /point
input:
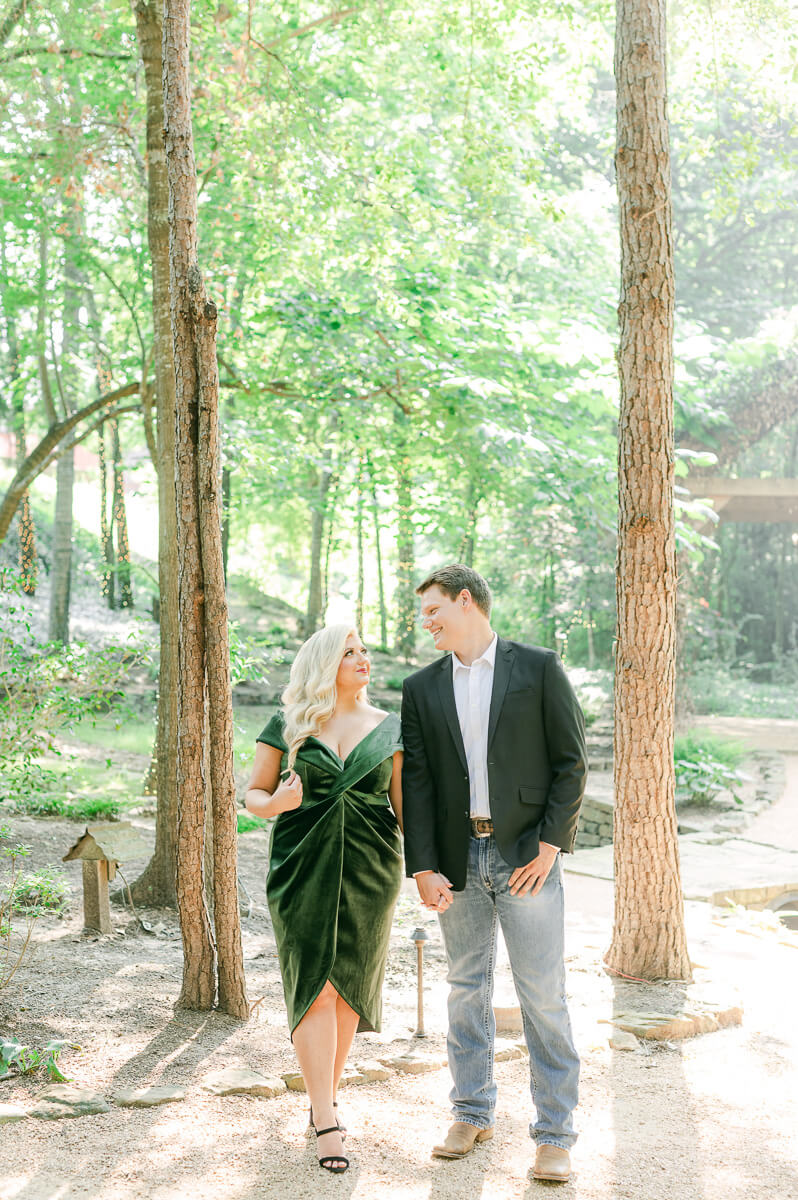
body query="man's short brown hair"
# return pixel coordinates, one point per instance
(453, 579)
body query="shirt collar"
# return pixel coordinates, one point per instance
(488, 656)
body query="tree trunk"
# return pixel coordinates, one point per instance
(61, 571)
(28, 562)
(405, 568)
(120, 522)
(378, 554)
(359, 539)
(106, 526)
(156, 884)
(649, 936)
(314, 614)
(203, 648)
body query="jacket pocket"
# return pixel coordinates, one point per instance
(533, 795)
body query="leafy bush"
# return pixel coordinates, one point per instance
(718, 691)
(45, 688)
(42, 891)
(705, 766)
(246, 822)
(12, 948)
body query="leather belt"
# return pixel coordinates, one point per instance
(480, 827)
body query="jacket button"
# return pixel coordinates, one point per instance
(465, 777)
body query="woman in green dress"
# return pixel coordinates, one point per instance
(328, 766)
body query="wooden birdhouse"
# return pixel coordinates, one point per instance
(101, 849)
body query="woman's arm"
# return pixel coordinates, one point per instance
(266, 796)
(395, 788)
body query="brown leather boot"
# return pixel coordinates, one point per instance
(553, 1163)
(461, 1139)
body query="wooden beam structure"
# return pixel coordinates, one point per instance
(760, 501)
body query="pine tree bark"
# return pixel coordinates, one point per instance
(203, 650)
(156, 884)
(648, 937)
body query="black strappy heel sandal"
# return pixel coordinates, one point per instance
(327, 1160)
(312, 1127)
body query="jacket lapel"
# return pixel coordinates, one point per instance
(501, 678)
(449, 708)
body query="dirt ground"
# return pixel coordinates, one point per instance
(711, 1118)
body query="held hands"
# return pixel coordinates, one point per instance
(288, 795)
(435, 890)
(533, 875)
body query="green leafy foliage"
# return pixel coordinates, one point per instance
(24, 1060)
(705, 766)
(39, 892)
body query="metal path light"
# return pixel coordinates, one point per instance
(420, 936)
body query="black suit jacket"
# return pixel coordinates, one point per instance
(537, 762)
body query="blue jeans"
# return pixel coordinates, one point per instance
(533, 929)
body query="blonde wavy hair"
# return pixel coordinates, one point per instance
(311, 696)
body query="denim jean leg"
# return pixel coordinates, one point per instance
(469, 937)
(533, 929)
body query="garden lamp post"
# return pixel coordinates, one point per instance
(420, 936)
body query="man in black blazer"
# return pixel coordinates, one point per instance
(493, 777)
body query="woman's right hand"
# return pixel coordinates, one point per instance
(288, 795)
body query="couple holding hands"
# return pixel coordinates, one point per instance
(484, 777)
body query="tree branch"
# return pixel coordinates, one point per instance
(42, 454)
(70, 51)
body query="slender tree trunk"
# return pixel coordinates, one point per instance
(203, 647)
(106, 525)
(28, 561)
(359, 539)
(405, 569)
(156, 884)
(61, 570)
(649, 936)
(378, 554)
(314, 614)
(120, 521)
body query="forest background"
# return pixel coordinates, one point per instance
(408, 225)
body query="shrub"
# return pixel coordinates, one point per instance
(12, 947)
(705, 766)
(44, 688)
(42, 891)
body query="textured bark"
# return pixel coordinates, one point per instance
(156, 884)
(648, 936)
(203, 651)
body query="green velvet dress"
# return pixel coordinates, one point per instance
(335, 871)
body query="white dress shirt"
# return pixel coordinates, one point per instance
(473, 688)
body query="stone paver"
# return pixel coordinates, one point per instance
(709, 869)
(63, 1100)
(236, 1081)
(11, 1112)
(148, 1097)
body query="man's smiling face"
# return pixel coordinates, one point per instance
(445, 619)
